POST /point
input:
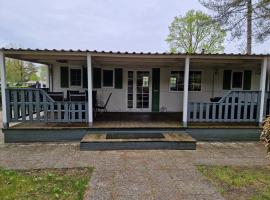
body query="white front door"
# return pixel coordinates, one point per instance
(138, 90)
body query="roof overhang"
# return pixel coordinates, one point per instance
(47, 56)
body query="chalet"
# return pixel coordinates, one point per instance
(210, 96)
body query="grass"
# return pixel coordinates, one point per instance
(44, 184)
(239, 182)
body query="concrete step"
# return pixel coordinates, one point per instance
(137, 141)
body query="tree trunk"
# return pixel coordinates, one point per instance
(249, 26)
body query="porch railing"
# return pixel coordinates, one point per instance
(236, 106)
(35, 105)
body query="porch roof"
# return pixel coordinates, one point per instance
(48, 56)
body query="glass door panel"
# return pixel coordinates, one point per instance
(142, 89)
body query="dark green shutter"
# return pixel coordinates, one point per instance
(247, 80)
(118, 78)
(85, 78)
(227, 74)
(64, 77)
(155, 89)
(96, 78)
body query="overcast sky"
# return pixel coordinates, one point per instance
(117, 25)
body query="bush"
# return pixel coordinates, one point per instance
(265, 135)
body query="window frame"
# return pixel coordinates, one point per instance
(70, 82)
(102, 83)
(193, 82)
(242, 85)
(170, 76)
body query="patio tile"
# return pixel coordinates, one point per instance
(166, 192)
(134, 197)
(101, 185)
(133, 176)
(215, 196)
(195, 187)
(186, 174)
(160, 177)
(138, 174)
(133, 189)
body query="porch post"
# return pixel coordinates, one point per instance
(3, 89)
(185, 96)
(50, 77)
(262, 88)
(90, 106)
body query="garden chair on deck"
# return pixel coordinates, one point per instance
(103, 108)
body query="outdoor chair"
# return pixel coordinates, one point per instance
(56, 96)
(77, 97)
(70, 93)
(103, 108)
(215, 99)
(46, 89)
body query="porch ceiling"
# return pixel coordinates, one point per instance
(224, 63)
(129, 61)
(132, 59)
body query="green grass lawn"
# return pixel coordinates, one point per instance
(44, 184)
(239, 182)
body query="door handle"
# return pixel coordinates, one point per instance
(155, 90)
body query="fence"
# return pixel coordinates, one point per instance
(236, 106)
(35, 105)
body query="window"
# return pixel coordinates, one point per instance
(75, 77)
(194, 81)
(177, 81)
(107, 78)
(237, 80)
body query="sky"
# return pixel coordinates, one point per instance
(109, 25)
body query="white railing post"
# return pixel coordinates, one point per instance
(185, 96)
(262, 88)
(3, 89)
(90, 106)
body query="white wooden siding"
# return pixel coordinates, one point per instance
(172, 101)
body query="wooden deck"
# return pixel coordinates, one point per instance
(116, 120)
(133, 120)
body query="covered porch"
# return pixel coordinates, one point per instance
(148, 90)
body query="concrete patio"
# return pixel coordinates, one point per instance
(166, 174)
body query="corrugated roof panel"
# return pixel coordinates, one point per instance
(126, 52)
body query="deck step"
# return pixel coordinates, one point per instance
(137, 141)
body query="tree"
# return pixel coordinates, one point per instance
(20, 71)
(43, 73)
(249, 17)
(195, 32)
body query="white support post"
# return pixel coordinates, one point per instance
(3, 89)
(262, 88)
(90, 106)
(48, 76)
(185, 97)
(51, 77)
